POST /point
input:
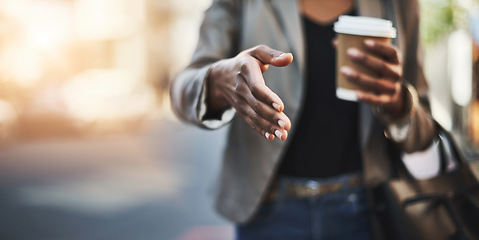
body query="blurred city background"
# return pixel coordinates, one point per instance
(89, 148)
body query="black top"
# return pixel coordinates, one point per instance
(326, 141)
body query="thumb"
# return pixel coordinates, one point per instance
(267, 55)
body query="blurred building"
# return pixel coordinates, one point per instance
(70, 66)
(474, 106)
(447, 33)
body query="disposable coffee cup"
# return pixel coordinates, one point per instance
(352, 31)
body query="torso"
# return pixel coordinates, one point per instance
(326, 140)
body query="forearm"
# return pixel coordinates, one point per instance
(186, 91)
(421, 131)
(216, 41)
(414, 130)
(216, 100)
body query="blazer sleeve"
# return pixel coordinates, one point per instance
(218, 40)
(416, 130)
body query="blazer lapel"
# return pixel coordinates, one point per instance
(286, 12)
(370, 8)
(400, 22)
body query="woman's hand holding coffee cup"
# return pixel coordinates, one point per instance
(381, 86)
(368, 66)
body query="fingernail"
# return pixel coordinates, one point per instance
(347, 71)
(280, 56)
(278, 134)
(369, 43)
(281, 123)
(266, 135)
(277, 107)
(354, 52)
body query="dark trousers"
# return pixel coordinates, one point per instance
(339, 215)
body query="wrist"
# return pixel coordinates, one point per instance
(399, 111)
(399, 108)
(215, 100)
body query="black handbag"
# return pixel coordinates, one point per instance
(439, 208)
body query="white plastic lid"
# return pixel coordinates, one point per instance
(365, 26)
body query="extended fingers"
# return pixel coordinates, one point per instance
(253, 123)
(254, 79)
(263, 108)
(263, 120)
(258, 105)
(260, 115)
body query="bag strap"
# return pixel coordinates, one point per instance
(446, 138)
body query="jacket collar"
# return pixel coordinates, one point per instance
(287, 14)
(370, 8)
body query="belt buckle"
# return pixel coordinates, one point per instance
(313, 188)
(313, 185)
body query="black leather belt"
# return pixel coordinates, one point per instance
(311, 188)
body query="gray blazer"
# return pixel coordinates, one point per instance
(249, 163)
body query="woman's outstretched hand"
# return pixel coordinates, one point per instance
(238, 82)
